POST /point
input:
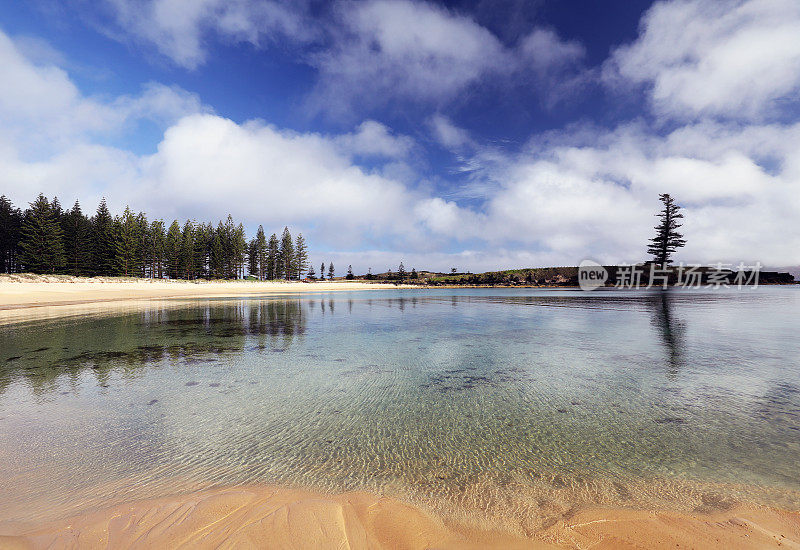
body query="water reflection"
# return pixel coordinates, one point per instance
(670, 329)
(190, 336)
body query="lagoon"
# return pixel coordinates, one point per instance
(515, 404)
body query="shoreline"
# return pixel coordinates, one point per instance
(259, 515)
(18, 294)
(45, 291)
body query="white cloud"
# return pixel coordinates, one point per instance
(728, 58)
(180, 29)
(598, 200)
(411, 50)
(207, 164)
(375, 139)
(366, 53)
(448, 134)
(42, 109)
(403, 49)
(543, 50)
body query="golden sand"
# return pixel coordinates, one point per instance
(27, 297)
(271, 517)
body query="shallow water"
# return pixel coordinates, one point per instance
(497, 401)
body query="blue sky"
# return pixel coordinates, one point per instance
(479, 135)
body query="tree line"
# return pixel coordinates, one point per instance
(45, 238)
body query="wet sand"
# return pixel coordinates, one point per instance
(27, 297)
(273, 517)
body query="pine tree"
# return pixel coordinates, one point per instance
(322, 271)
(172, 250)
(414, 273)
(273, 251)
(240, 251)
(204, 234)
(300, 255)
(401, 272)
(10, 236)
(262, 256)
(104, 248)
(667, 238)
(143, 259)
(55, 208)
(42, 246)
(287, 254)
(311, 273)
(127, 244)
(252, 258)
(187, 251)
(156, 243)
(349, 272)
(330, 271)
(77, 231)
(217, 252)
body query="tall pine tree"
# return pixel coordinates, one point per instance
(300, 256)
(287, 254)
(239, 251)
(10, 236)
(156, 242)
(667, 238)
(127, 244)
(42, 245)
(172, 250)
(252, 259)
(104, 249)
(77, 231)
(188, 268)
(262, 253)
(273, 260)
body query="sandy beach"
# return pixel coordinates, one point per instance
(261, 516)
(28, 297)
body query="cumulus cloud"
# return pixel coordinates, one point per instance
(180, 29)
(372, 138)
(369, 53)
(42, 109)
(730, 58)
(406, 50)
(413, 51)
(572, 200)
(207, 164)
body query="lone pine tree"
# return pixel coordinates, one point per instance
(667, 238)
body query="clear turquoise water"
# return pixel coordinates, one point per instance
(474, 399)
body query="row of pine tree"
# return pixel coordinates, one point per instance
(45, 238)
